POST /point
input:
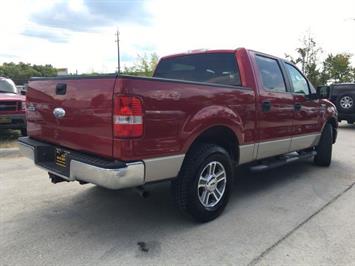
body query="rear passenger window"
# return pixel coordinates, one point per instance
(271, 74)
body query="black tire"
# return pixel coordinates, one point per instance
(350, 122)
(24, 132)
(345, 103)
(185, 187)
(324, 148)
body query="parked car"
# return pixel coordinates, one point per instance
(200, 116)
(343, 96)
(12, 107)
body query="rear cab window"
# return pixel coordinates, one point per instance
(219, 68)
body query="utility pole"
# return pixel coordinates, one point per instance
(118, 51)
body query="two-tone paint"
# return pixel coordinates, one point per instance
(175, 114)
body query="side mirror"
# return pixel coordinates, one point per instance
(323, 92)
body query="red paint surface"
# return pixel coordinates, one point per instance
(87, 125)
(174, 113)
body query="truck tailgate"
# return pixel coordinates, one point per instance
(87, 123)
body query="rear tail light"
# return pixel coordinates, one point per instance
(127, 117)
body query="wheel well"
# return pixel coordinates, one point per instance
(333, 123)
(222, 136)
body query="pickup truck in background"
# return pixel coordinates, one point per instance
(200, 116)
(12, 107)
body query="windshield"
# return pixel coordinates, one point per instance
(7, 85)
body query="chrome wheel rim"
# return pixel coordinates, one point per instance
(211, 184)
(346, 102)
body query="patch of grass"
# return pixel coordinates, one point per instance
(8, 138)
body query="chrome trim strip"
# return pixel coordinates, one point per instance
(304, 141)
(246, 153)
(130, 176)
(163, 167)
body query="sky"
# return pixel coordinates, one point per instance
(80, 34)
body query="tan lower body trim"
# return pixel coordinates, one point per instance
(304, 142)
(272, 148)
(257, 151)
(163, 167)
(246, 153)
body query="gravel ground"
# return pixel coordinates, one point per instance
(8, 138)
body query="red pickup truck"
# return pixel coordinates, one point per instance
(12, 107)
(200, 116)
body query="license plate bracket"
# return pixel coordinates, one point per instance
(61, 157)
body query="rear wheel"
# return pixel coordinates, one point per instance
(324, 148)
(204, 183)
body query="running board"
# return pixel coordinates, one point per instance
(277, 162)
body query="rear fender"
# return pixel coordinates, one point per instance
(209, 117)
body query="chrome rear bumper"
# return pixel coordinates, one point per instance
(125, 176)
(130, 176)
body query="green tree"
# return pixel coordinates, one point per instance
(307, 59)
(337, 68)
(144, 65)
(20, 73)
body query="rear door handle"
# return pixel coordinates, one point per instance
(266, 106)
(298, 106)
(61, 89)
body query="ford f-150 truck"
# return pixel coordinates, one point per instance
(202, 114)
(12, 107)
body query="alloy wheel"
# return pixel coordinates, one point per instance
(211, 184)
(346, 102)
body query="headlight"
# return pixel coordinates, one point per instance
(23, 106)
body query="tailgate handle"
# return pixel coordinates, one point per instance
(61, 89)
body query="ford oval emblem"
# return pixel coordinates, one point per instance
(59, 112)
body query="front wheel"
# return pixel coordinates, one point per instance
(204, 183)
(324, 148)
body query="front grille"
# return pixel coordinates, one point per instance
(10, 106)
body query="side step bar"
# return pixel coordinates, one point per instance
(280, 161)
